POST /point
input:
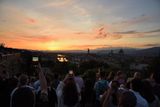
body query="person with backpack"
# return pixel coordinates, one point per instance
(100, 87)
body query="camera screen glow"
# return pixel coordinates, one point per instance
(35, 59)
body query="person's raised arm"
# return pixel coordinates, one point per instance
(107, 99)
(42, 79)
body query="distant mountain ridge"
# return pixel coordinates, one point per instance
(154, 51)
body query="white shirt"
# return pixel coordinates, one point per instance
(141, 102)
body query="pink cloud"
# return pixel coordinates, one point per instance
(31, 20)
(82, 33)
(101, 33)
(105, 32)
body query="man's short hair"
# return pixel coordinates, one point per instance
(23, 79)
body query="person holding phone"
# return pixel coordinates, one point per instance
(68, 92)
(100, 86)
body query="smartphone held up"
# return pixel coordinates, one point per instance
(35, 61)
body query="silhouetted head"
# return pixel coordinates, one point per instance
(23, 80)
(89, 84)
(156, 77)
(111, 76)
(56, 76)
(127, 99)
(102, 74)
(136, 85)
(120, 77)
(115, 84)
(137, 75)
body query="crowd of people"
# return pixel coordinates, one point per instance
(113, 90)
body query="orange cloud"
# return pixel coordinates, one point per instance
(28, 37)
(30, 42)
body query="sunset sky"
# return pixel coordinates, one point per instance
(79, 24)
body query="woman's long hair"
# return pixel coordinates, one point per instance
(70, 92)
(147, 92)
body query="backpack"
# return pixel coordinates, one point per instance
(102, 85)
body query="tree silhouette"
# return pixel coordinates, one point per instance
(2, 45)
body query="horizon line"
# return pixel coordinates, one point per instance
(96, 49)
